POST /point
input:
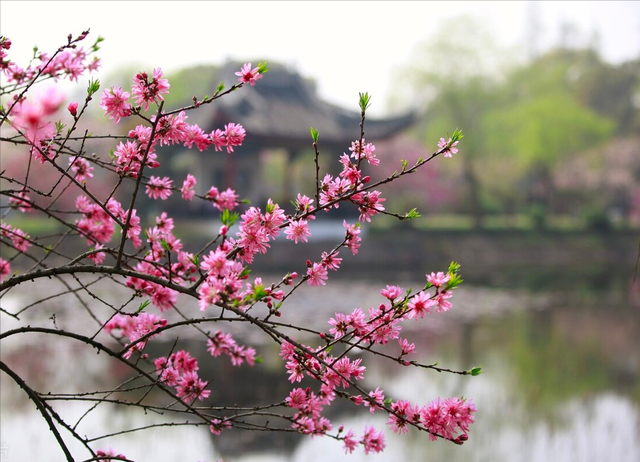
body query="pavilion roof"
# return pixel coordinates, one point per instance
(281, 108)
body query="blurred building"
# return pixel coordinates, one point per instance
(277, 114)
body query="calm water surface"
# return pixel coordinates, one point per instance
(561, 382)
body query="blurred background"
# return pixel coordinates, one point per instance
(541, 206)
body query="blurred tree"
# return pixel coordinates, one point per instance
(546, 119)
(456, 78)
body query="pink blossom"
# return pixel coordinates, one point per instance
(73, 108)
(297, 230)
(195, 134)
(147, 91)
(190, 387)
(448, 148)
(187, 187)
(19, 239)
(218, 139)
(5, 269)
(349, 441)
(406, 346)
(159, 187)
(419, 305)
(114, 102)
(378, 396)
(218, 425)
(441, 301)
(234, 135)
(438, 279)
(81, 168)
(248, 75)
(21, 201)
(392, 292)
(372, 440)
(109, 452)
(367, 152)
(317, 275)
(331, 261)
(352, 237)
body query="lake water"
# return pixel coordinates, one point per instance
(561, 381)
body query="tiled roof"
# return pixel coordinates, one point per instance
(282, 107)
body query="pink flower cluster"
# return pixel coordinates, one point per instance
(33, 119)
(21, 241)
(257, 228)
(135, 327)
(351, 180)
(181, 371)
(21, 201)
(109, 453)
(98, 226)
(81, 168)
(227, 199)
(382, 323)
(5, 269)
(159, 187)
(68, 63)
(147, 91)
(442, 418)
(221, 343)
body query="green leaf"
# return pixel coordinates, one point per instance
(314, 135)
(143, 305)
(165, 245)
(475, 371)
(413, 213)
(388, 402)
(262, 67)
(245, 272)
(94, 86)
(195, 260)
(454, 267)
(219, 88)
(404, 164)
(365, 101)
(457, 135)
(259, 360)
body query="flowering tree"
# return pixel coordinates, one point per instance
(103, 238)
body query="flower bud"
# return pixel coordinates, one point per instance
(73, 108)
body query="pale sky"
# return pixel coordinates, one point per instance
(347, 47)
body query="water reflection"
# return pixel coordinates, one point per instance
(561, 382)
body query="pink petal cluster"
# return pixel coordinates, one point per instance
(248, 75)
(20, 240)
(135, 327)
(21, 201)
(180, 370)
(147, 90)
(159, 188)
(115, 103)
(70, 63)
(227, 199)
(448, 148)
(448, 417)
(109, 453)
(5, 269)
(188, 186)
(81, 168)
(221, 343)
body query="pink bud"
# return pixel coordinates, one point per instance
(366, 179)
(73, 108)
(223, 230)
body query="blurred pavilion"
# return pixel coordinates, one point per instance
(277, 114)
